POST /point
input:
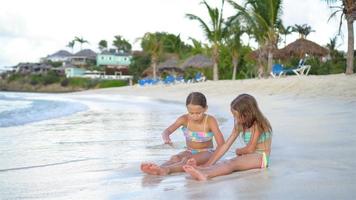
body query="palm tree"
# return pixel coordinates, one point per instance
(122, 44)
(303, 30)
(214, 33)
(285, 31)
(332, 47)
(263, 17)
(71, 45)
(198, 47)
(233, 41)
(348, 9)
(153, 44)
(103, 45)
(81, 41)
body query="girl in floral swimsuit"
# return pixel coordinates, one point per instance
(199, 130)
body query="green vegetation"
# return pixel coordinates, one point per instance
(38, 81)
(111, 83)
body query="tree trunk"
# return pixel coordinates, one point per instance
(154, 66)
(215, 60)
(234, 62)
(270, 62)
(350, 46)
(260, 62)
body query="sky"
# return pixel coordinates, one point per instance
(33, 29)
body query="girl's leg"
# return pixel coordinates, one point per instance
(175, 164)
(154, 169)
(240, 163)
(199, 158)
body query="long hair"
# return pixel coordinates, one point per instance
(246, 106)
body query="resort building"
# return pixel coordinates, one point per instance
(83, 58)
(32, 68)
(113, 59)
(59, 56)
(74, 72)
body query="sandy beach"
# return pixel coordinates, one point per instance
(95, 154)
(312, 117)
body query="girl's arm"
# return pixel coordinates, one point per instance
(220, 151)
(214, 127)
(251, 146)
(168, 131)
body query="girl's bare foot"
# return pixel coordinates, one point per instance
(153, 169)
(192, 162)
(145, 167)
(195, 173)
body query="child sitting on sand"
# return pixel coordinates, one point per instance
(199, 130)
(256, 133)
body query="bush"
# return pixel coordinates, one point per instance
(35, 79)
(14, 77)
(65, 82)
(86, 83)
(112, 83)
(50, 78)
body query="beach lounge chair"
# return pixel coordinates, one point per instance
(199, 77)
(169, 80)
(301, 68)
(278, 70)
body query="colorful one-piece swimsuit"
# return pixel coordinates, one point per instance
(198, 136)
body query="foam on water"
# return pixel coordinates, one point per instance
(17, 109)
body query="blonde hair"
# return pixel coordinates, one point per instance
(247, 108)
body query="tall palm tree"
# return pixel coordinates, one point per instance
(71, 45)
(81, 41)
(263, 17)
(348, 10)
(153, 44)
(303, 30)
(214, 33)
(233, 41)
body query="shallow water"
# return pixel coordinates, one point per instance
(96, 153)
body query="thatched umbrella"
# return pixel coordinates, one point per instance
(276, 54)
(148, 72)
(170, 65)
(301, 46)
(198, 61)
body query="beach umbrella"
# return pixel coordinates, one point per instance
(302, 46)
(276, 54)
(147, 72)
(197, 61)
(169, 65)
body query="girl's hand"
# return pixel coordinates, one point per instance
(166, 139)
(238, 152)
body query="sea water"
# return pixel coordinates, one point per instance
(20, 109)
(91, 147)
(55, 147)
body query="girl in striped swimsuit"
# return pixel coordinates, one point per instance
(199, 130)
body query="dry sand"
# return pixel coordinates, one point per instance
(313, 146)
(337, 86)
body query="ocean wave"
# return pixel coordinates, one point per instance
(15, 110)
